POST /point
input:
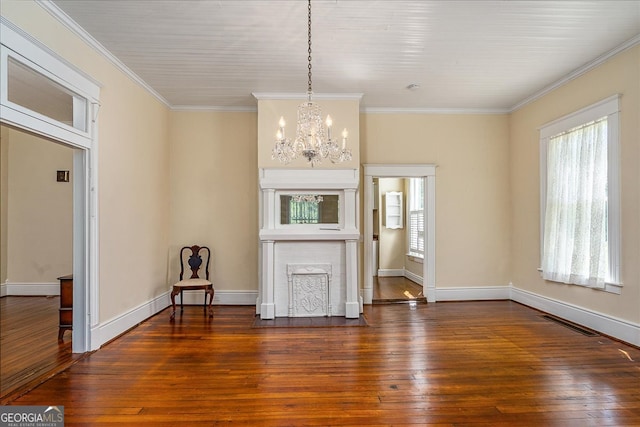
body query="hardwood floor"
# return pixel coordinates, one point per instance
(396, 289)
(29, 348)
(489, 363)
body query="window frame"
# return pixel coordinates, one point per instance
(608, 107)
(412, 191)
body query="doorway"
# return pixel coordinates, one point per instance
(398, 240)
(60, 106)
(427, 173)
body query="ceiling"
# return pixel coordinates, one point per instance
(462, 55)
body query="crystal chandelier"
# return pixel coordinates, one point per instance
(313, 135)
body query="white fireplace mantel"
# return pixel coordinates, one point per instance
(333, 246)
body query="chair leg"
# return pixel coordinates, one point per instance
(181, 301)
(174, 292)
(209, 292)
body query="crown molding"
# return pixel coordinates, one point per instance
(391, 110)
(204, 109)
(302, 96)
(71, 25)
(578, 72)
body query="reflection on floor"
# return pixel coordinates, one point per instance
(388, 290)
(30, 351)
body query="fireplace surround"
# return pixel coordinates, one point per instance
(308, 269)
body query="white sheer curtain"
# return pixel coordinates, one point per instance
(575, 225)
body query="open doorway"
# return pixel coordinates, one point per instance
(36, 248)
(374, 173)
(43, 94)
(398, 240)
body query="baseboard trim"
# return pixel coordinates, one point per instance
(3, 290)
(617, 328)
(106, 331)
(391, 272)
(413, 277)
(221, 297)
(30, 289)
(470, 293)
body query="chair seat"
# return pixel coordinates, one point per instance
(193, 283)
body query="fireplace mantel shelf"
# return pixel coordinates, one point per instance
(309, 234)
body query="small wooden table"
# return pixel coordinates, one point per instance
(66, 305)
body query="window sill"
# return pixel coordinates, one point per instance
(416, 258)
(613, 288)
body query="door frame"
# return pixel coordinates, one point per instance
(21, 46)
(428, 173)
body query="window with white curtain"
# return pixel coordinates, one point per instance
(416, 217)
(580, 197)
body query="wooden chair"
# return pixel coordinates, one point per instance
(194, 261)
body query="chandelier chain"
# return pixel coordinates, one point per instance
(309, 90)
(313, 140)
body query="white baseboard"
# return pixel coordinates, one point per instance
(400, 272)
(221, 297)
(3, 290)
(471, 293)
(30, 289)
(110, 329)
(608, 325)
(413, 277)
(391, 272)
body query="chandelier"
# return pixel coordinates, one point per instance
(313, 139)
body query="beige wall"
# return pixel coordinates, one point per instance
(133, 157)
(214, 194)
(620, 75)
(345, 114)
(391, 242)
(171, 178)
(472, 186)
(39, 210)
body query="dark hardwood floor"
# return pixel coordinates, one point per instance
(396, 290)
(29, 347)
(489, 363)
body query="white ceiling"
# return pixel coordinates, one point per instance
(471, 55)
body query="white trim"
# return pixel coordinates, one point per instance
(110, 329)
(391, 272)
(213, 109)
(473, 293)
(578, 72)
(609, 107)
(303, 96)
(31, 288)
(20, 44)
(604, 107)
(308, 179)
(617, 328)
(428, 173)
(399, 110)
(413, 277)
(81, 33)
(3, 290)
(221, 297)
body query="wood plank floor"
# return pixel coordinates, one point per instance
(29, 347)
(396, 289)
(489, 363)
